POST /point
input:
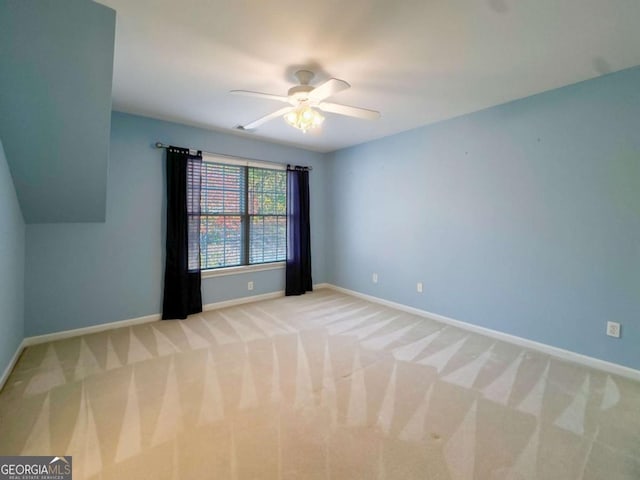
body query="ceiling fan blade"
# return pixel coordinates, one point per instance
(266, 118)
(268, 96)
(357, 112)
(327, 89)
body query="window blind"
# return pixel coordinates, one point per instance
(242, 215)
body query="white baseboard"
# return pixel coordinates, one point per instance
(567, 355)
(12, 363)
(242, 300)
(50, 337)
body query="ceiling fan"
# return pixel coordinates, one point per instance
(304, 102)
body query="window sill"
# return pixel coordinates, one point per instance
(221, 272)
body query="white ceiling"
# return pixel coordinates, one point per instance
(417, 61)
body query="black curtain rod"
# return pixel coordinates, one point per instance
(298, 167)
(163, 145)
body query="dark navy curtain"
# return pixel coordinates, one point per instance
(182, 295)
(298, 272)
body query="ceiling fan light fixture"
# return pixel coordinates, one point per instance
(304, 118)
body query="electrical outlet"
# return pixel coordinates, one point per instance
(419, 287)
(250, 285)
(613, 329)
(374, 278)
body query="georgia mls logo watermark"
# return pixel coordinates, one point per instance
(35, 468)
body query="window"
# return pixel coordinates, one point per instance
(242, 215)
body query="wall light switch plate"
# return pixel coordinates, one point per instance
(374, 278)
(419, 287)
(250, 285)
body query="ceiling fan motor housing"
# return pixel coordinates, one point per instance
(304, 76)
(300, 92)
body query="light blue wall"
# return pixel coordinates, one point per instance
(11, 267)
(55, 104)
(523, 218)
(85, 274)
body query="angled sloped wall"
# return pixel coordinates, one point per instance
(56, 70)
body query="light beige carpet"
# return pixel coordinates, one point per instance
(323, 386)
